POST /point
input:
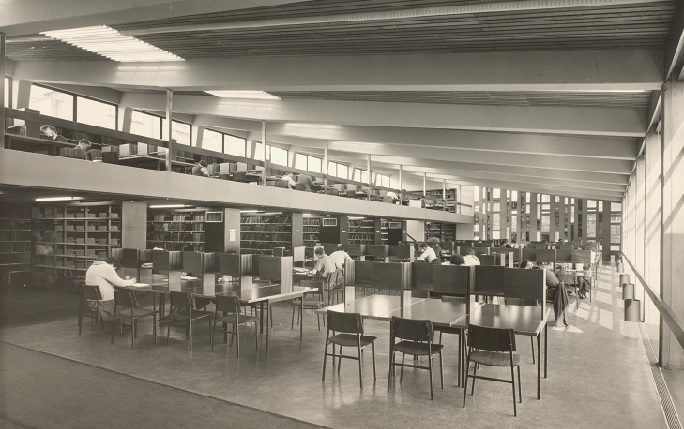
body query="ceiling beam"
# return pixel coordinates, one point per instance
(31, 16)
(562, 70)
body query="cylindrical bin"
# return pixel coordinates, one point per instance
(624, 278)
(627, 291)
(620, 267)
(632, 310)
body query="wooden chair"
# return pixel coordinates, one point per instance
(416, 340)
(491, 347)
(90, 294)
(347, 331)
(130, 314)
(312, 303)
(183, 308)
(334, 284)
(228, 311)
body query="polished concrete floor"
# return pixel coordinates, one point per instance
(598, 372)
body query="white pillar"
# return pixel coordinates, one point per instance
(169, 123)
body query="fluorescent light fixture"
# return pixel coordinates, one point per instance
(109, 43)
(258, 95)
(273, 213)
(250, 211)
(356, 217)
(168, 206)
(59, 199)
(307, 214)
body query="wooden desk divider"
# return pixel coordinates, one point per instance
(526, 284)
(452, 279)
(349, 272)
(401, 251)
(581, 256)
(481, 250)
(563, 255)
(239, 266)
(379, 252)
(381, 275)
(277, 269)
(329, 248)
(279, 251)
(423, 276)
(354, 250)
(363, 274)
(203, 265)
(529, 254)
(489, 280)
(298, 253)
(170, 262)
(491, 260)
(546, 255)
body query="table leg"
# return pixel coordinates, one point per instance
(301, 317)
(460, 355)
(546, 351)
(539, 366)
(261, 319)
(264, 310)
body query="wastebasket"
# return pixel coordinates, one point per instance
(632, 310)
(624, 278)
(627, 291)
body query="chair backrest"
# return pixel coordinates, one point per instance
(92, 293)
(181, 300)
(491, 339)
(316, 284)
(346, 323)
(227, 304)
(414, 330)
(123, 298)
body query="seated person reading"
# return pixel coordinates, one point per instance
(103, 274)
(470, 258)
(200, 169)
(304, 183)
(426, 253)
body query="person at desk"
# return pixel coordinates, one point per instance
(555, 291)
(391, 198)
(470, 258)
(288, 177)
(200, 169)
(51, 133)
(434, 242)
(103, 274)
(455, 259)
(340, 257)
(304, 183)
(427, 253)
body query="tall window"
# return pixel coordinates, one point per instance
(308, 162)
(51, 102)
(382, 180)
(94, 112)
(360, 175)
(338, 170)
(235, 146)
(277, 155)
(146, 124)
(212, 140)
(182, 132)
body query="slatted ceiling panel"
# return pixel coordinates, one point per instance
(637, 101)
(48, 49)
(579, 28)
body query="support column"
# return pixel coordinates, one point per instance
(325, 166)
(3, 123)
(444, 202)
(672, 216)
(134, 225)
(169, 123)
(199, 136)
(370, 177)
(126, 119)
(424, 185)
(23, 94)
(401, 184)
(263, 153)
(534, 218)
(561, 218)
(504, 232)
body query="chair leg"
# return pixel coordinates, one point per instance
(373, 349)
(441, 368)
(113, 328)
(133, 333)
(237, 338)
(325, 359)
(432, 391)
(339, 360)
(293, 314)
(97, 319)
(472, 388)
(519, 385)
(211, 339)
(80, 317)
(168, 330)
(154, 328)
(256, 335)
(465, 384)
(401, 378)
(358, 354)
(515, 411)
(532, 344)
(391, 368)
(190, 333)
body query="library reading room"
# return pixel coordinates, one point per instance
(207, 207)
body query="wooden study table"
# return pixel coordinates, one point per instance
(263, 296)
(523, 320)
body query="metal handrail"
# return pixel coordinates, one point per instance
(666, 312)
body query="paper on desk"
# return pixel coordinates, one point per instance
(140, 284)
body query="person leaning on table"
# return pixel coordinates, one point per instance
(102, 273)
(470, 258)
(427, 253)
(304, 183)
(200, 169)
(339, 257)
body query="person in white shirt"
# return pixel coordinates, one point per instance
(325, 264)
(426, 253)
(103, 274)
(340, 257)
(290, 180)
(470, 258)
(455, 259)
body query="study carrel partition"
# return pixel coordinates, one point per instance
(489, 280)
(203, 265)
(277, 269)
(239, 266)
(380, 275)
(526, 284)
(168, 262)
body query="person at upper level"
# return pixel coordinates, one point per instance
(200, 169)
(304, 183)
(289, 178)
(427, 253)
(470, 258)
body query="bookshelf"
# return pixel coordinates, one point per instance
(438, 200)
(384, 231)
(448, 232)
(15, 244)
(433, 229)
(67, 239)
(260, 233)
(312, 230)
(176, 230)
(361, 231)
